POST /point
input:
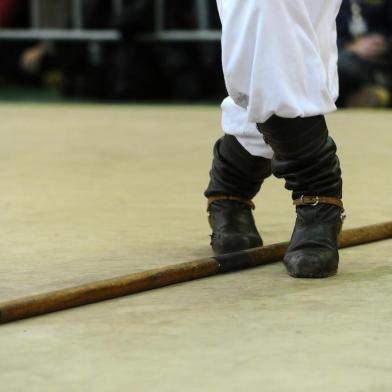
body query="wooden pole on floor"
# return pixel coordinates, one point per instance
(159, 277)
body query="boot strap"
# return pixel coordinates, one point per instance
(248, 202)
(315, 200)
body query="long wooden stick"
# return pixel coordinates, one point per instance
(112, 288)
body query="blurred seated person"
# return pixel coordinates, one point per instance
(21, 61)
(365, 53)
(13, 14)
(133, 69)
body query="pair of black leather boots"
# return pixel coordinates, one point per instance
(305, 156)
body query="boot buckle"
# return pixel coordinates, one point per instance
(313, 201)
(309, 202)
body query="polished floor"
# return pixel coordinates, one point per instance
(90, 192)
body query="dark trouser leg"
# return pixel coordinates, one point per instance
(363, 83)
(234, 171)
(235, 178)
(354, 73)
(305, 156)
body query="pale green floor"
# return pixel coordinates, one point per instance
(91, 192)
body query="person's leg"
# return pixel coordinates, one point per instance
(242, 161)
(305, 156)
(304, 153)
(279, 60)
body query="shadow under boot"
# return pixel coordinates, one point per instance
(235, 178)
(305, 156)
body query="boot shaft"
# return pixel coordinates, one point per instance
(235, 171)
(304, 155)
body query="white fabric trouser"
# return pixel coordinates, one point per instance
(279, 57)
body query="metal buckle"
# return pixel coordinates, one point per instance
(317, 202)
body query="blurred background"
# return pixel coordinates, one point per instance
(127, 50)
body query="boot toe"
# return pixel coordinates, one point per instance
(312, 264)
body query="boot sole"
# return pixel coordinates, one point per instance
(312, 276)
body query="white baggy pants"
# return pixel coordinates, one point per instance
(279, 57)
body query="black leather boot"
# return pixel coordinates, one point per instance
(235, 178)
(305, 156)
(233, 225)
